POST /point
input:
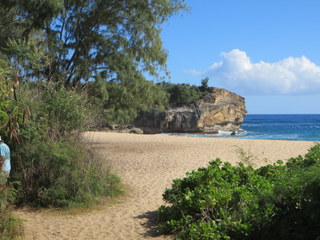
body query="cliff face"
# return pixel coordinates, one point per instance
(218, 110)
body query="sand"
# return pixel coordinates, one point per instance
(147, 164)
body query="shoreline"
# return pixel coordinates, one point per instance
(216, 136)
(238, 134)
(148, 164)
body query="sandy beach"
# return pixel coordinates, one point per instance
(147, 164)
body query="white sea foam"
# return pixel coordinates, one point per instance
(239, 133)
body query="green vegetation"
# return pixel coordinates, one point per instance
(61, 174)
(279, 201)
(77, 43)
(76, 61)
(53, 166)
(116, 39)
(120, 103)
(66, 66)
(182, 94)
(10, 226)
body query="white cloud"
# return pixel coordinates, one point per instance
(288, 76)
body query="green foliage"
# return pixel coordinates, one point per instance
(5, 93)
(128, 98)
(53, 112)
(98, 92)
(181, 94)
(239, 202)
(10, 26)
(69, 44)
(75, 42)
(61, 174)
(10, 226)
(42, 126)
(219, 196)
(204, 85)
(12, 112)
(28, 57)
(120, 102)
(65, 111)
(115, 37)
(53, 166)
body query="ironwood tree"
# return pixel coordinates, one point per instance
(119, 38)
(116, 40)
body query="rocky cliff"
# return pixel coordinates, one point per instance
(218, 110)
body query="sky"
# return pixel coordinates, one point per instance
(267, 51)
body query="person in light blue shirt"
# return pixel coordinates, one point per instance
(5, 164)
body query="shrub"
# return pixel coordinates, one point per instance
(204, 85)
(10, 226)
(53, 166)
(239, 202)
(119, 102)
(181, 94)
(61, 174)
(66, 111)
(215, 199)
(296, 197)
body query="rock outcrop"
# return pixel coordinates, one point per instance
(218, 110)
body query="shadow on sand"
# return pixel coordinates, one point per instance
(150, 225)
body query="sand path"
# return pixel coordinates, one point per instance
(148, 164)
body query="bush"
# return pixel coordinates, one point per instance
(215, 199)
(61, 174)
(239, 202)
(183, 94)
(296, 197)
(119, 102)
(55, 169)
(10, 226)
(66, 111)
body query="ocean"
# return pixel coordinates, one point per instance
(298, 127)
(295, 127)
(302, 127)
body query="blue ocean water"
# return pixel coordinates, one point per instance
(304, 127)
(299, 127)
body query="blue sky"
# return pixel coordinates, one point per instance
(266, 51)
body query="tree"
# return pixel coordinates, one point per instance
(18, 18)
(120, 103)
(7, 25)
(11, 112)
(115, 40)
(204, 85)
(181, 94)
(5, 87)
(88, 37)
